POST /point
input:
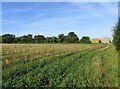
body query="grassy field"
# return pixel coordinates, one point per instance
(59, 65)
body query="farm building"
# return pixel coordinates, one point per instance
(106, 40)
(95, 40)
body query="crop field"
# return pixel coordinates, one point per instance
(59, 65)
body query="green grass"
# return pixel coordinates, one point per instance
(86, 68)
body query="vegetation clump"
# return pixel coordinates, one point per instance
(70, 38)
(116, 35)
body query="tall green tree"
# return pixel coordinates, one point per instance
(29, 38)
(8, 38)
(17, 40)
(116, 35)
(39, 39)
(72, 37)
(26, 39)
(0, 39)
(54, 39)
(85, 40)
(23, 39)
(49, 40)
(61, 38)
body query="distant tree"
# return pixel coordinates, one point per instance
(39, 39)
(8, 38)
(48, 40)
(29, 38)
(0, 39)
(54, 39)
(26, 39)
(85, 39)
(116, 36)
(61, 38)
(72, 37)
(17, 40)
(23, 39)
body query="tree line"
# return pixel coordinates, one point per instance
(70, 38)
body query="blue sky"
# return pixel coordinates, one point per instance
(94, 19)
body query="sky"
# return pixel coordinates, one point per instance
(93, 19)
(60, 0)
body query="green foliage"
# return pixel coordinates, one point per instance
(39, 39)
(51, 40)
(54, 39)
(61, 38)
(0, 39)
(48, 40)
(8, 38)
(23, 39)
(85, 39)
(116, 35)
(29, 39)
(17, 40)
(72, 37)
